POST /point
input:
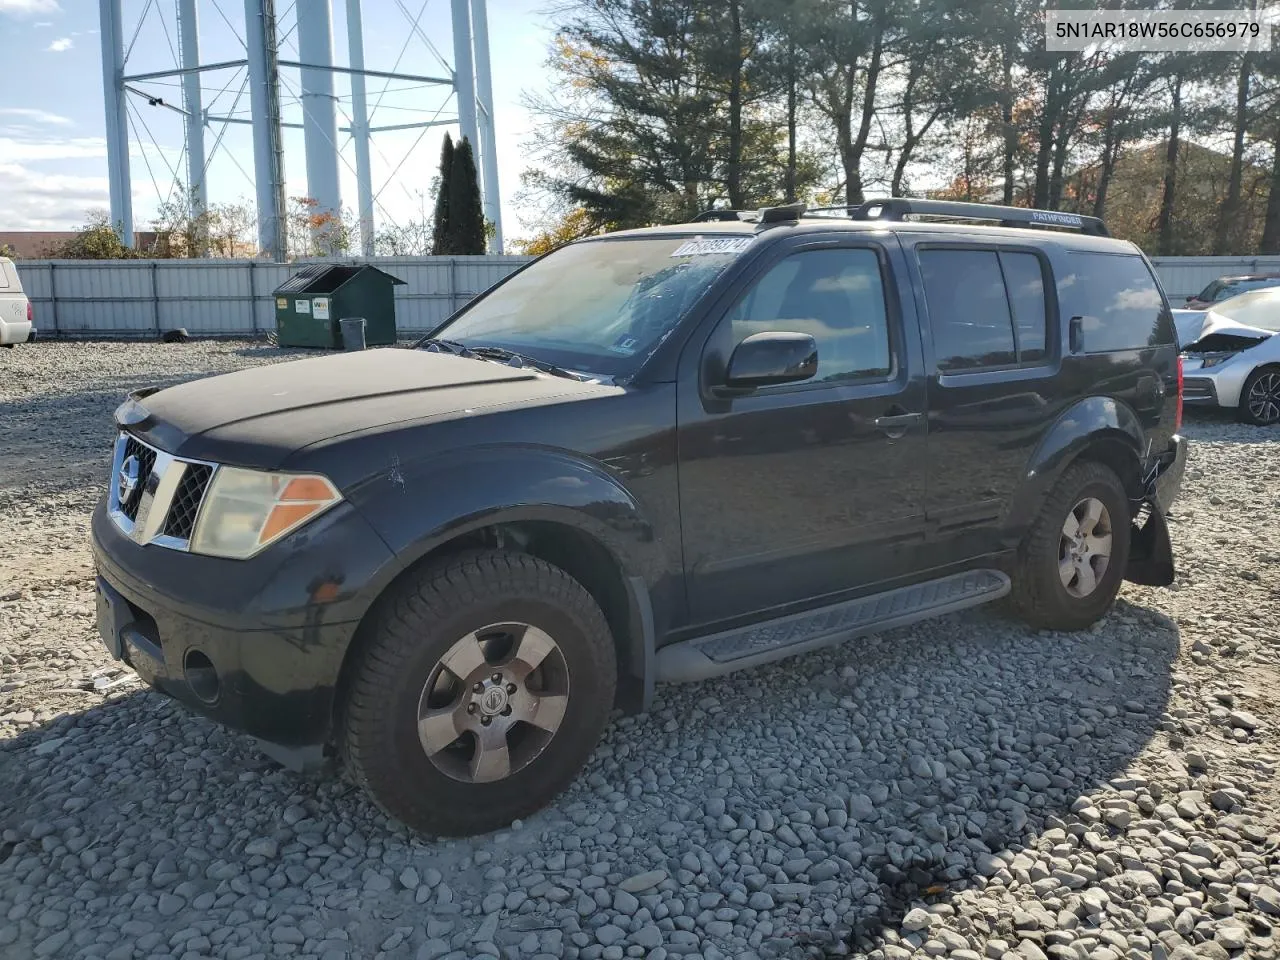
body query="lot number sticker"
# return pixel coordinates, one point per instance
(321, 308)
(302, 306)
(705, 246)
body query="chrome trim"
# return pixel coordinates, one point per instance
(159, 489)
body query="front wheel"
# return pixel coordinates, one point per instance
(480, 693)
(1260, 398)
(1073, 559)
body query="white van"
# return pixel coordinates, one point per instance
(16, 317)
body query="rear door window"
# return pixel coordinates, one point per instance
(1122, 306)
(987, 308)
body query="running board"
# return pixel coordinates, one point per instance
(733, 650)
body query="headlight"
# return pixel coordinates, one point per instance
(244, 511)
(1214, 359)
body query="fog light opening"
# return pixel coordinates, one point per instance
(202, 678)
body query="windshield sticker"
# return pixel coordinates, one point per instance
(707, 246)
(625, 345)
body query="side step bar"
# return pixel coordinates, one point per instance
(750, 646)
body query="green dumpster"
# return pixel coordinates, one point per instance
(311, 304)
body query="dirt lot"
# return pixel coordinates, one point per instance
(964, 788)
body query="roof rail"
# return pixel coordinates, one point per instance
(782, 214)
(718, 216)
(899, 208)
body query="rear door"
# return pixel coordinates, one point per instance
(994, 381)
(796, 493)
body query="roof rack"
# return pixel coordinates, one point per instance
(899, 208)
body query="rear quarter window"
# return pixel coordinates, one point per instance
(1119, 303)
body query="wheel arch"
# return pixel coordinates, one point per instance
(1099, 429)
(564, 538)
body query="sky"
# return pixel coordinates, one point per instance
(53, 166)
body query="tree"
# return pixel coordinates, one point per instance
(96, 240)
(466, 227)
(440, 218)
(318, 233)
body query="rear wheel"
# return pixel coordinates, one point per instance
(1260, 397)
(482, 691)
(1072, 561)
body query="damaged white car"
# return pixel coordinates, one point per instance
(1231, 356)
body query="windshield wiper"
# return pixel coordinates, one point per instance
(498, 355)
(446, 346)
(502, 355)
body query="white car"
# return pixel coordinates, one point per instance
(16, 317)
(1231, 355)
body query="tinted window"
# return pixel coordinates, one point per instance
(835, 296)
(968, 310)
(1121, 305)
(1025, 281)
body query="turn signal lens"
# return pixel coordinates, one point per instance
(247, 510)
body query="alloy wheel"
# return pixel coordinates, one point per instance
(1084, 551)
(493, 702)
(1264, 398)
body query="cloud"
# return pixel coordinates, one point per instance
(29, 8)
(25, 149)
(61, 45)
(40, 24)
(43, 201)
(42, 117)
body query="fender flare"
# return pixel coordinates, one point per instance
(474, 489)
(1093, 422)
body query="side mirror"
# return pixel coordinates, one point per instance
(766, 359)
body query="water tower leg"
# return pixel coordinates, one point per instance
(464, 81)
(319, 120)
(488, 145)
(360, 126)
(189, 57)
(117, 117)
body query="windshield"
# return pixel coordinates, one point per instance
(599, 306)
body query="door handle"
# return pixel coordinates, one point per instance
(1075, 334)
(896, 425)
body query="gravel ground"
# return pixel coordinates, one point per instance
(964, 788)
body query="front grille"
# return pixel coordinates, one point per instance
(146, 458)
(181, 520)
(164, 504)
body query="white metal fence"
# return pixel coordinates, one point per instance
(87, 298)
(1183, 276)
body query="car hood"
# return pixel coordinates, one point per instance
(258, 417)
(1193, 335)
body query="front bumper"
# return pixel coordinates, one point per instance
(255, 644)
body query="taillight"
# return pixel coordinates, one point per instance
(31, 314)
(1177, 418)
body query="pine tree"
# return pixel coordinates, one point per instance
(440, 218)
(466, 218)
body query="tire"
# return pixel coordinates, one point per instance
(401, 675)
(1260, 397)
(1041, 594)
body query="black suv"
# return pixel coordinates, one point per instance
(658, 455)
